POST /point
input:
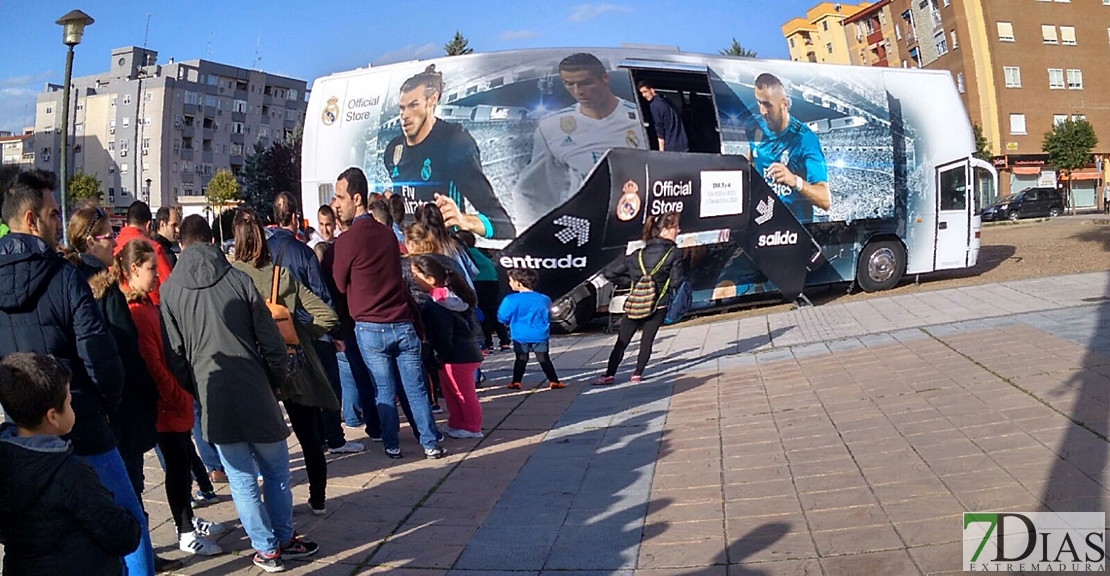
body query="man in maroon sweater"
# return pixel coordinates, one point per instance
(366, 267)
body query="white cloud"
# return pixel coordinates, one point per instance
(17, 100)
(518, 34)
(584, 12)
(409, 52)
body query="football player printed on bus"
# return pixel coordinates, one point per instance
(568, 143)
(438, 161)
(787, 153)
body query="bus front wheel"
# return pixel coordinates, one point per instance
(881, 265)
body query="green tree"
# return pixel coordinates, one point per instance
(982, 145)
(737, 50)
(223, 191)
(458, 46)
(1069, 145)
(268, 171)
(84, 187)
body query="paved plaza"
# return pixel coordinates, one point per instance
(842, 439)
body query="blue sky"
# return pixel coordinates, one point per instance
(311, 39)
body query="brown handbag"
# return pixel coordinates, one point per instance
(281, 314)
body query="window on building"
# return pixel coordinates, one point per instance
(112, 102)
(1017, 124)
(111, 193)
(1059, 119)
(1048, 33)
(825, 25)
(829, 47)
(1078, 117)
(126, 121)
(147, 97)
(882, 17)
(898, 32)
(1056, 78)
(123, 168)
(1075, 79)
(293, 94)
(111, 145)
(955, 43)
(209, 101)
(960, 82)
(236, 149)
(240, 106)
(941, 43)
(126, 99)
(791, 42)
(1067, 35)
(49, 109)
(191, 97)
(1005, 31)
(236, 127)
(1013, 76)
(146, 143)
(79, 128)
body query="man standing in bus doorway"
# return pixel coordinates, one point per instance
(787, 153)
(665, 119)
(568, 143)
(435, 161)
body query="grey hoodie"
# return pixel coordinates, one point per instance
(221, 339)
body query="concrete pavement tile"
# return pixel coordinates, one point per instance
(380, 570)
(931, 532)
(924, 508)
(836, 499)
(756, 474)
(793, 523)
(419, 555)
(690, 495)
(762, 506)
(591, 549)
(537, 536)
(680, 555)
(458, 572)
(768, 543)
(894, 562)
(507, 557)
(785, 568)
(698, 571)
(314, 566)
(939, 559)
(841, 518)
(830, 482)
(996, 498)
(917, 488)
(856, 540)
(758, 489)
(823, 467)
(672, 532)
(661, 511)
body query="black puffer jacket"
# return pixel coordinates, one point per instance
(55, 516)
(134, 422)
(46, 306)
(625, 272)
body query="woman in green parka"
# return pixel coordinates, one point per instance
(305, 394)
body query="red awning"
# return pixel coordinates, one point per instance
(1084, 174)
(1034, 170)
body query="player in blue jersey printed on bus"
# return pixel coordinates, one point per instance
(788, 154)
(438, 161)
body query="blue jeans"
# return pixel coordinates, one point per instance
(109, 468)
(206, 451)
(392, 354)
(358, 390)
(266, 517)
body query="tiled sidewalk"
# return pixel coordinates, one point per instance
(850, 455)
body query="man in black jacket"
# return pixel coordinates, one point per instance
(167, 221)
(300, 260)
(46, 306)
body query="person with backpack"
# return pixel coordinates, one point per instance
(653, 272)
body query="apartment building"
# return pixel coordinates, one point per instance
(17, 149)
(871, 33)
(158, 132)
(820, 36)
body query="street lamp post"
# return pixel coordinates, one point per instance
(73, 27)
(147, 194)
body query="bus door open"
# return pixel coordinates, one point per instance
(686, 86)
(955, 208)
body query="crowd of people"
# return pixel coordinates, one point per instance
(154, 338)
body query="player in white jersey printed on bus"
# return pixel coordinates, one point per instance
(568, 143)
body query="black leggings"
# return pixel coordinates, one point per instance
(177, 452)
(306, 427)
(650, 327)
(545, 364)
(200, 473)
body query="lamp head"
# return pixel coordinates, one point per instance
(73, 26)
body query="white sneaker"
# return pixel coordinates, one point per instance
(198, 545)
(206, 528)
(348, 448)
(462, 434)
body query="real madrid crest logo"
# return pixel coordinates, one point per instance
(631, 139)
(426, 171)
(331, 112)
(628, 206)
(568, 124)
(397, 151)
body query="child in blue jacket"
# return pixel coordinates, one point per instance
(528, 314)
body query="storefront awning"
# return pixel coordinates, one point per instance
(1027, 170)
(1084, 174)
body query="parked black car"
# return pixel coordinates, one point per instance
(1028, 203)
